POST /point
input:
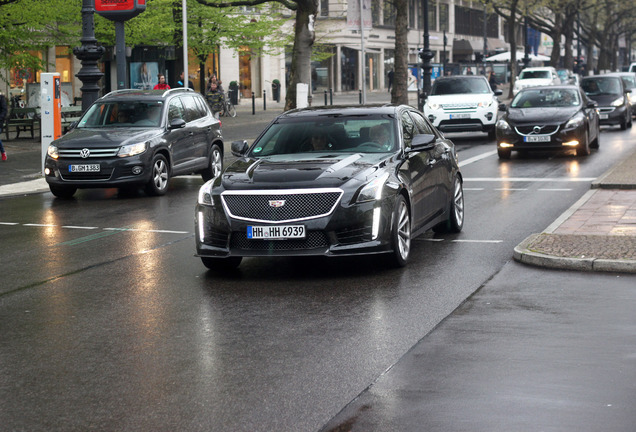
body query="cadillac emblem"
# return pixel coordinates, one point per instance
(276, 203)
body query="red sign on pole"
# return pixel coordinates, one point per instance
(119, 10)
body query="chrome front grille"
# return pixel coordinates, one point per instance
(537, 130)
(93, 153)
(280, 205)
(459, 106)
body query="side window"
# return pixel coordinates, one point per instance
(421, 123)
(175, 110)
(408, 128)
(192, 112)
(203, 107)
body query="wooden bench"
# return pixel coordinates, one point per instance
(22, 119)
(70, 114)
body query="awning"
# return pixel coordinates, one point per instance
(366, 49)
(467, 47)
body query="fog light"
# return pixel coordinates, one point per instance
(47, 171)
(505, 145)
(431, 118)
(489, 116)
(571, 143)
(137, 170)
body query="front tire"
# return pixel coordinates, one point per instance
(503, 153)
(158, 184)
(584, 150)
(64, 192)
(215, 164)
(221, 263)
(401, 233)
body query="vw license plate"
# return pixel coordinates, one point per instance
(603, 116)
(84, 168)
(282, 232)
(460, 116)
(537, 139)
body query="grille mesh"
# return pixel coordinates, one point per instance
(314, 240)
(297, 206)
(545, 130)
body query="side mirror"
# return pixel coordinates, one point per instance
(423, 142)
(498, 92)
(628, 90)
(177, 124)
(591, 104)
(239, 148)
(503, 107)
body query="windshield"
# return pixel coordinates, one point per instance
(532, 98)
(355, 134)
(448, 86)
(542, 74)
(600, 86)
(629, 81)
(123, 114)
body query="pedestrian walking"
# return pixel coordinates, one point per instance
(3, 115)
(390, 75)
(161, 85)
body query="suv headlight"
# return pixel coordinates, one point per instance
(205, 193)
(618, 102)
(575, 121)
(373, 190)
(132, 149)
(432, 105)
(52, 151)
(503, 126)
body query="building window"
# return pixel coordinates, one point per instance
(432, 16)
(471, 22)
(376, 12)
(389, 13)
(412, 12)
(63, 63)
(443, 17)
(324, 8)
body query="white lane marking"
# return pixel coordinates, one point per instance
(555, 189)
(511, 189)
(477, 158)
(477, 241)
(9, 223)
(431, 240)
(474, 189)
(40, 225)
(530, 179)
(78, 227)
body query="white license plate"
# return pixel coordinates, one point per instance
(536, 139)
(281, 232)
(460, 116)
(603, 116)
(84, 168)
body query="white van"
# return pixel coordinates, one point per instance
(632, 68)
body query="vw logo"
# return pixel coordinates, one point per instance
(84, 153)
(536, 129)
(276, 203)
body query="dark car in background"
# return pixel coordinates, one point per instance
(332, 181)
(612, 98)
(132, 138)
(629, 81)
(550, 118)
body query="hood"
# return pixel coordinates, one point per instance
(299, 171)
(540, 115)
(103, 138)
(469, 98)
(604, 99)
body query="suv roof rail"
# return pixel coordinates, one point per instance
(177, 90)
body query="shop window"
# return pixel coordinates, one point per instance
(64, 63)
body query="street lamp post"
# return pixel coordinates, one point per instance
(526, 56)
(426, 55)
(88, 53)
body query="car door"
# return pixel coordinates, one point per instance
(439, 160)
(198, 127)
(180, 139)
(419, 173)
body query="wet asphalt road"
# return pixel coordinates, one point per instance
(109, 322)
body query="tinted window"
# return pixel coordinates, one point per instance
(408, 129)
(535, 74)
(123, 114)
(176, 110)
(460, 86)
(421, 123)
(602, 85)
(192, 111)
(546, 98)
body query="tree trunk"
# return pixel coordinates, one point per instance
(304, 36)
(399, 90)
(555, 34)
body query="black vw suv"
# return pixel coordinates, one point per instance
(131, 138)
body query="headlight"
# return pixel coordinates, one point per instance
(503, 126)
(575, 121)
(486, 104)
(432, 105)
(373, 190)
(618, 102)
(132, 149)
(205, 197)
(52, 151)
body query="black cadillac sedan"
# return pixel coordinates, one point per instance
(550, 118)
(332, 181)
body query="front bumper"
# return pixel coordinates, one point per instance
(482, 120)
(559, 140)
(113, 172)
(612, 115)
(347, 231)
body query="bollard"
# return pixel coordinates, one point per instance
(331, 96)
(253, 104)
(264, 100)
(325, 97)
(360, 96)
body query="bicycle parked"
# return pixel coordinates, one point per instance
(221, 104)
